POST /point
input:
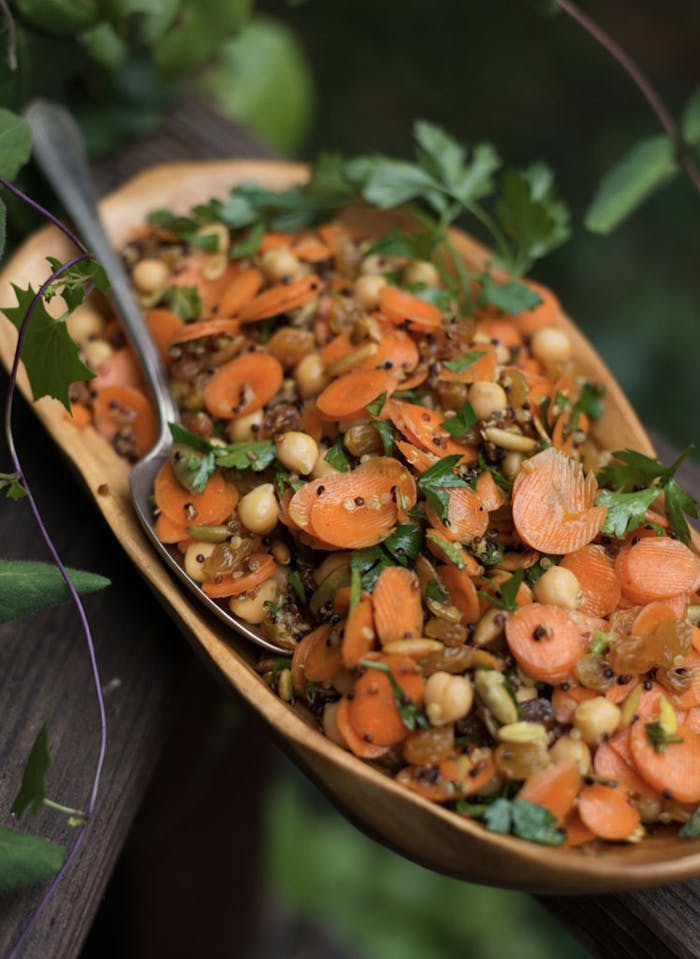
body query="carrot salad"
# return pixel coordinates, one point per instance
(406, 493)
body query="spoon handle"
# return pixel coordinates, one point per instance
(60, 153)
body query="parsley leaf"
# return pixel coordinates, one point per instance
(250, 245)
(658, 737)
(50, 356)
(505, 595)
(183, 301)
(524, 819)
(677, 502)
(625, 510)
(530, 213)
(462, 422)
(376, 406)
(404, 543)
(692, 827)
(386, 434)
(283, 479)
(295, 581)
(590, 402)
(336, 456)
(417, 246)
(511, 298)
(462, 362)
(255, 454)
(437, 479)
(450, 550)
(435, 592)
(411, 715)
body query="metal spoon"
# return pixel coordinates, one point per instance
(60, 153)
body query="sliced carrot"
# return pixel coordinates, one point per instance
(423, 427)
(359, 635)
(341, 601)
(273, 240)
(373, 710)
(240, 291)
(353, 510)
(349, 394)
(608, 811)
(168, 531)
(576, 832)
(128, 411)
(483, 368)
(333, 235)
(397, 605)
(204, 329)
(243, 385)
(163, 325)
(467, 517)
(190, 273)
(297, 508)
(695, 632)
(448, 779)
(655, 568)
(676, 769)
(335, 349)
(311, 422)
(396, 352)
(596, 577)
(472, 771)
(80, 415)
(310, 249)
(462, 592)
(399, 305)
(544, 640)
(420, 460)
(281, 299)
(355, 743)
(555, 787)
(120, 369)
(563, 432)
(501, 329)
(213, 506)
(413, 380)
(315, 659)
(553, 507)
(396, 475)
(545, 313)
(489, 492)
(609, 764)
(232, 586)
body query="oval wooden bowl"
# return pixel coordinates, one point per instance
(420, 830)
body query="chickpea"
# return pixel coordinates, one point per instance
(196, 555)
(322, 467)
(421, 271)
(150, 275)
(244, 428)
(310, 376)
(551, 345)
(85, 324)
(596, 719)
(649, 808)
(332, 562)
(447, 698)
(257, 510)
(330, 724)
(570, 749)
(297, 451)
(510, 465)
(366, 290)
(280, 552)
(558, 587)
(251, 606)
(97, 352)
(487, 398)
(375, 264)
(279, 264)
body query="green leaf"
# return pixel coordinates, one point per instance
(76, 282)
(436, 592)
(50, 356)
(690, 121)
(404, 543)
(184, 301)
(505, 595)
(26, 587)
(462, 362)
(250, 245)
(532, 215)
(437, 479)
(283, 479)
(649, 165)
(201, 467)
(181, 434)
(416, 246)
(625, 510)
(389, 183)
(444, 300)
(536, 823)
(438, 152)
(692, 827)
(451, 550)
(336, 456)
(632, 470)
(197, 34)
(295, 581)
(475, 180)
(658, 738)
(276, 102)
(376, 406)
(63, 17)
(590, 401)
(366, 565)
(511, 298)
(387, 434)
(462, 422)
(499, 816)
(677, 502)
(15, 143)
(255, 455)
(32, 792)
(27, 859)
(12, 483)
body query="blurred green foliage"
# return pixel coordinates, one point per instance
(380, 906)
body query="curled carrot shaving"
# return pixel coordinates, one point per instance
(200, 331)
(240, 291)
(128, 411)
(608, 811)
(399, 305)
(596, 577)
(236, 586)
(213, 506)
(243, 385)
(396, 601)
(281, 299)
(351, 393)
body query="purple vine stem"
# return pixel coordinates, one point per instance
(14, 952)
(645, 87)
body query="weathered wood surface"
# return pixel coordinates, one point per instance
(145, 667)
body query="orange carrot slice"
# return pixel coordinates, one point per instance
(555, 787)
(396, 475)
(314, 659)
(311, 249)
(126, 410)
(359, 746)
(359, 635)
(483, 368)
(396, 351)
(489, 492)
(501, 329)
(232, 586)
(163, 325)
(349, 394)
(462, 592)
(553, 507)
(420, 460)
(609, 764)
(396, 601)
(676, 769)
(608, 812)
(399, 305)
(80, 415)
(545, 641)
(565, 701)
(373, 710)
(353, 510)
(545, 313)
(655, 568)
(168, 531)
(274, 239)
(423, 427)
(240, 291)
(466, 516)
(243, 385)
(200, 331)
(281, 298)
(576, 832)
(596, 576)
(213, 506)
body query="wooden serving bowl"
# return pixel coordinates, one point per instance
(416, 828)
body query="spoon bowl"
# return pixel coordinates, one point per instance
(420, 830)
